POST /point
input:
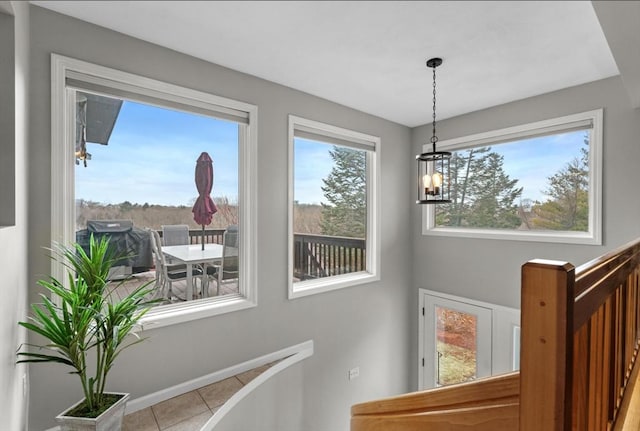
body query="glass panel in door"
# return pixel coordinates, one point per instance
(456, 346)
(457, 342)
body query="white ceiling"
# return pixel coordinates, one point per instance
(370, 55)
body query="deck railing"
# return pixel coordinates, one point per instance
(211, 236)
(317, 256)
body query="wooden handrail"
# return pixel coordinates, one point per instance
(488, 404)
(590, 272)
(503, 389)
(501, 417)
(580, 333)
(596, 280)
(580, 336)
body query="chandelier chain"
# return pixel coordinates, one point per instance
(434, 138)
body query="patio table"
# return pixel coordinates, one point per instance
(193, 254)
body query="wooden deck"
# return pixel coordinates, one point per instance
(120, 288)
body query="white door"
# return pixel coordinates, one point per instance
(456, 344)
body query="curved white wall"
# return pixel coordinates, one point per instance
(272, 401)
(274, 405)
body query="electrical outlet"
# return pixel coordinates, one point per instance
(354, 372)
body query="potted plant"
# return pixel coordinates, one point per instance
(84, 325)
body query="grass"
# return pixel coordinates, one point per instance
(457, 364)
(456, 343)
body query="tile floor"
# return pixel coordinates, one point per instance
(190, 411)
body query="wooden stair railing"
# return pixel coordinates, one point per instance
(489, 404)
(580, 331)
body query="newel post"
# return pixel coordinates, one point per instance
(546, 345)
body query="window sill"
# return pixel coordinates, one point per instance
(321, 285)
(167, 315)
(565, 237)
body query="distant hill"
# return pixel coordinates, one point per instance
(307, 217)
(152, 216)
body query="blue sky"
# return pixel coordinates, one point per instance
(151, 158)
(312, 164)
(152, 153)
(533, 161)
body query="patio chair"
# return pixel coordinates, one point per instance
(175, 234)
(166, 274)
(227, 269)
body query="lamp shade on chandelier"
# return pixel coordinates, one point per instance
(434, 167)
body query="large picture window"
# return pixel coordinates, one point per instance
(124, 153)
(332, 207)
(536, 182)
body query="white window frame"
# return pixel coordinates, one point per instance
(539, 128)
(63, 168)
(335, 134)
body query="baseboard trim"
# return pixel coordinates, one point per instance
(293, 354)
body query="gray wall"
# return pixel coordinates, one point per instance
(13, 195)
(489, 270)
(365, 326)
(372, 326)
(7, 121)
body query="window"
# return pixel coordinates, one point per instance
(333, 204)
(125, 147)
(535, 182)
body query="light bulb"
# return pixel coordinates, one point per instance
(437, 179)
(426, 181)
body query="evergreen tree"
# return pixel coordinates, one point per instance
(494, 196)
(568, 208)
(345, 188)
(482, 194)
(462, 168)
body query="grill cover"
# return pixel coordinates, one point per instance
(128, 241)
(109, 226)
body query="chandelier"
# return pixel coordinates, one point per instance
(434, 166)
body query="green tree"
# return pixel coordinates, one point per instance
(345, 189)
(568, 206)
(463, 166)
(482, 194)
(494, 195)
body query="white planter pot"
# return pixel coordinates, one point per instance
(109, 420)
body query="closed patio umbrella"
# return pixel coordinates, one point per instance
(204, 208)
